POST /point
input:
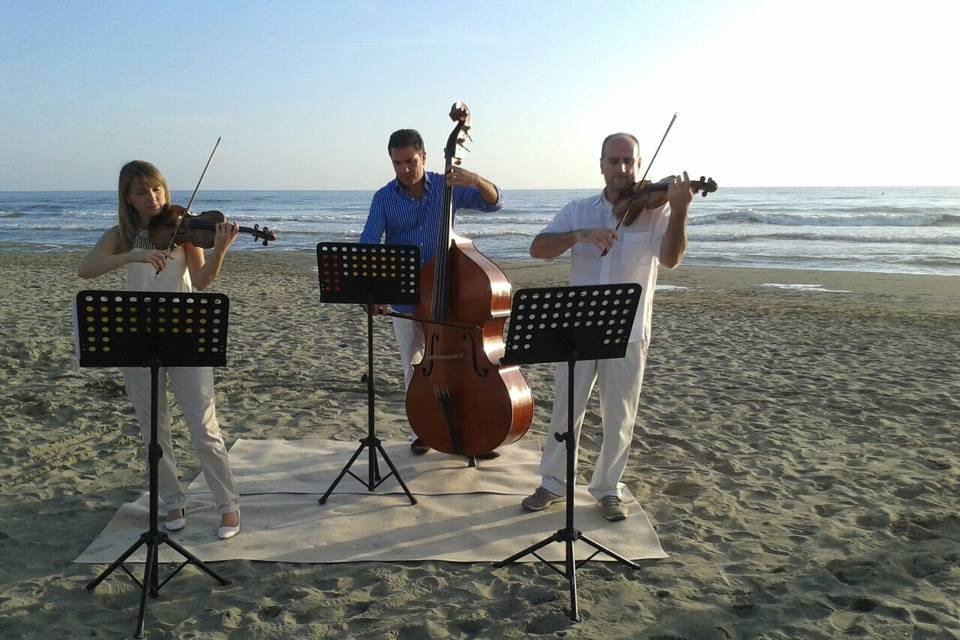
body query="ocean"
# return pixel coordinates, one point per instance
(873, 229)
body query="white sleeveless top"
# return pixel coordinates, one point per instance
(174, 278)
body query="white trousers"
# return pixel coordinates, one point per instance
(619, 381)
(409, 336)
(193, 389)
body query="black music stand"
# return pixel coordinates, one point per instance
(369, 274)
(152, 329)
(567, 324)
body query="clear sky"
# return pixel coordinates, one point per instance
(305, 94)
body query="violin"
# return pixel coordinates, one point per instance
(652, 195)
(461, 400)
(175, 226)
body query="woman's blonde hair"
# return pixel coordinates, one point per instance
(127, 216)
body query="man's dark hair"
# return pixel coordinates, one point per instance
(630, 136)
(405, 138)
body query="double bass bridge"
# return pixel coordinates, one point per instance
(445, 356)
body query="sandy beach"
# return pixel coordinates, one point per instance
(796, 450)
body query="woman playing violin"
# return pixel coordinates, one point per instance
(143, 196)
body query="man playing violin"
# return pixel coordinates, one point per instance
(409, 210)
(657, 235)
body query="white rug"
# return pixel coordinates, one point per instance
(462, 514)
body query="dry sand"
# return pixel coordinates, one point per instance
(796, 450)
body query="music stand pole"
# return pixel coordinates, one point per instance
(553, 301)
(371, 442)
(153, 537)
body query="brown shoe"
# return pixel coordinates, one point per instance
(417, 447)
(540, 500)
(612, 508)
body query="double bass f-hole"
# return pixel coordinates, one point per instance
(429, 357)
(480, 371)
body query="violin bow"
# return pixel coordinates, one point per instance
(644, 177)
(190, 202)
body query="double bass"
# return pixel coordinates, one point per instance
(460, 400)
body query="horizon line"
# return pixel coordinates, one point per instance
(811, 186)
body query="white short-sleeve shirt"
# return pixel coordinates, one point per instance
(634, 257)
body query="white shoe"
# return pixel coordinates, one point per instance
(225, 533)
(177, 523)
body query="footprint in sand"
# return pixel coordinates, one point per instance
(683, 489)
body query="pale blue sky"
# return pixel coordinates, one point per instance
(305, 94)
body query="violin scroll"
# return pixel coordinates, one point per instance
(703, 185)
(264, 234)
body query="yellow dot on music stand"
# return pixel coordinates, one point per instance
(133, 329)
(89, 308)
(103, 309)
(175, 330)
(162, 330)
(91, 348)
(201, 349)
(202, 340)
(91, 339)
(105, 349)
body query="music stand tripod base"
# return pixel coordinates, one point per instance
(369, 274)
(152, 329)
(568, 324)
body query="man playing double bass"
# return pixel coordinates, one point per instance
(409, 210)
(587, 227)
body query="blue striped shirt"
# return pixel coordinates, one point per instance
(406, 220)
